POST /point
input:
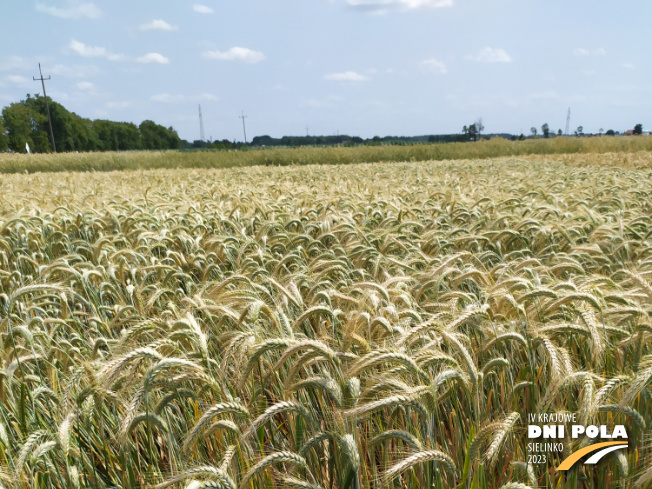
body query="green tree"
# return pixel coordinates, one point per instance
(545, 130)
(174, 141)
(155, 136)
(479, 127)
(25, 126)
(127, 136)
(533, 130)
(151, 136)
(638, 129)
(26, 122)
(4, 138)
(580, 130)
(59, 115)
(473, 132)
(115, 136)
(106, 135)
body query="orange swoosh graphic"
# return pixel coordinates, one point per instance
(574, 457)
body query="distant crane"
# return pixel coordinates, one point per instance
(567, 122)
(201, 125)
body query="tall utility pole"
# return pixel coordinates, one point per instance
(201, 125)
(47, 107)
(568, 122)
(244, 129)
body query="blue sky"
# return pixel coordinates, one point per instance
(358, 67)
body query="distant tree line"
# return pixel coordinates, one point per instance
(305, 140)
(210, 145)
(546, 133)
(26, 122)
(345, 140)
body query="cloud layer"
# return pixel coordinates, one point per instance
(382, 6)
(493, 55)
(84, 85)
(153, 58)
(158, 25)
(435, 65)
(202, 9)
(235, 54)
(76, 10)
(589, 52)
(87, 51)
(347, 76)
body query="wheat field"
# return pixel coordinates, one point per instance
(359, 326)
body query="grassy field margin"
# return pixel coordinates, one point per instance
(135, 160)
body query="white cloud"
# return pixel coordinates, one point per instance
(628, 66)
(492, 55)
(235, 54)
(208, 96)
(202, 9)
(153, 58)
(589, 52)
(93, 51)
(383, 6)
(75, 10)
(347, 76)
(84, 85)
(158, 25)
(435, 65)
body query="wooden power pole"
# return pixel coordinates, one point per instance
(47, 107)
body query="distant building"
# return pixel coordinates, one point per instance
(629, 132)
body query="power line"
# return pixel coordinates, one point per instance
(47, 107)
(244, 129)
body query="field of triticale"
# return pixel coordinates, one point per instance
(359, 326)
